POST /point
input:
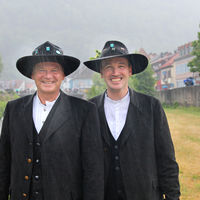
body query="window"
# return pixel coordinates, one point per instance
(179, 83)
(182, 68)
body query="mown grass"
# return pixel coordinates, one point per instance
(185, 129)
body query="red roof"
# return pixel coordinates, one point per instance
(170, 61)
(185, 45)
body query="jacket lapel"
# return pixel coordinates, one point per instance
(27, 118)
(132, 119)
(59, 114)
(103, 122)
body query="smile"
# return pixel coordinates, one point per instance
(116, 79)
(47, 82)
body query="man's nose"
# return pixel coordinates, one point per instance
(48, 74)
(115, 71)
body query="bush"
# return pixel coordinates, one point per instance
(4, 98)
(2, 108)
(173, 106)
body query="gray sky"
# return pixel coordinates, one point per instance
(79, 27)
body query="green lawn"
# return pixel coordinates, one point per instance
(185, 129)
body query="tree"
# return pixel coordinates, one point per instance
(143, 82)
(98, 54)
(194, 64)
(98, 86)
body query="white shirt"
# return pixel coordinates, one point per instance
(41, 111)
(116, 112)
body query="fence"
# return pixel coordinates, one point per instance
(186, 96)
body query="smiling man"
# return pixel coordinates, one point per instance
(116, 72)
(48, 77)
(139, 159)
(50, 145)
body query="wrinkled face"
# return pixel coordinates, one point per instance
(116, 72)
(48, 77)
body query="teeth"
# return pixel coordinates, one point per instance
(47, 82)
(116, 79)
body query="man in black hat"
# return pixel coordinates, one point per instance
(50, 145)
(139, 157)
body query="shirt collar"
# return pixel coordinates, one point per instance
(48, 103)
(124, 99)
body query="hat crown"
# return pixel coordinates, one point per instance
(114, 48)
(47, 49)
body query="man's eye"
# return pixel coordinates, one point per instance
(41, 70)
(54, 70)
(108, 67)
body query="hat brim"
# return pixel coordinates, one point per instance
(139, 62)
(25, 64)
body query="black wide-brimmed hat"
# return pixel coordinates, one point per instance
(47, 52)
(113, 49)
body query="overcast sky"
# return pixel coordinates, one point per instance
(81, 26)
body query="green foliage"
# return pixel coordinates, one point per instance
(2, 108)
(98, 87)
(195, 63)
(172, 106)
(98, 53)
(143, 82)
(182, 109)
(4, 98)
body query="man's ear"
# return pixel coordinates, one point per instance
(130, 70)
(101, 72)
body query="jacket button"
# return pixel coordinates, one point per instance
(37, 161)
(116, 157)
(24, 194)
(26, 178)
(38, 144)
(116, 146)
(117, 168)
(37, 177)
(29, 160)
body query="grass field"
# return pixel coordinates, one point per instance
(185, 129)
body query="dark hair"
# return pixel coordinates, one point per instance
(129, 63)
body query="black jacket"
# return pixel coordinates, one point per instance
(71, 152)
(147, 159)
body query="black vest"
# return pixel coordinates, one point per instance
(36, 187)
(36, 190)
(115, 186)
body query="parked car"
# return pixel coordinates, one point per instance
(189, 81)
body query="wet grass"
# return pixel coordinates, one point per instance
(185, 129)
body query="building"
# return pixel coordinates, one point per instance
(161, 64)
(167, 74)
(79, 82)
(18, 86)
(182, 71)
